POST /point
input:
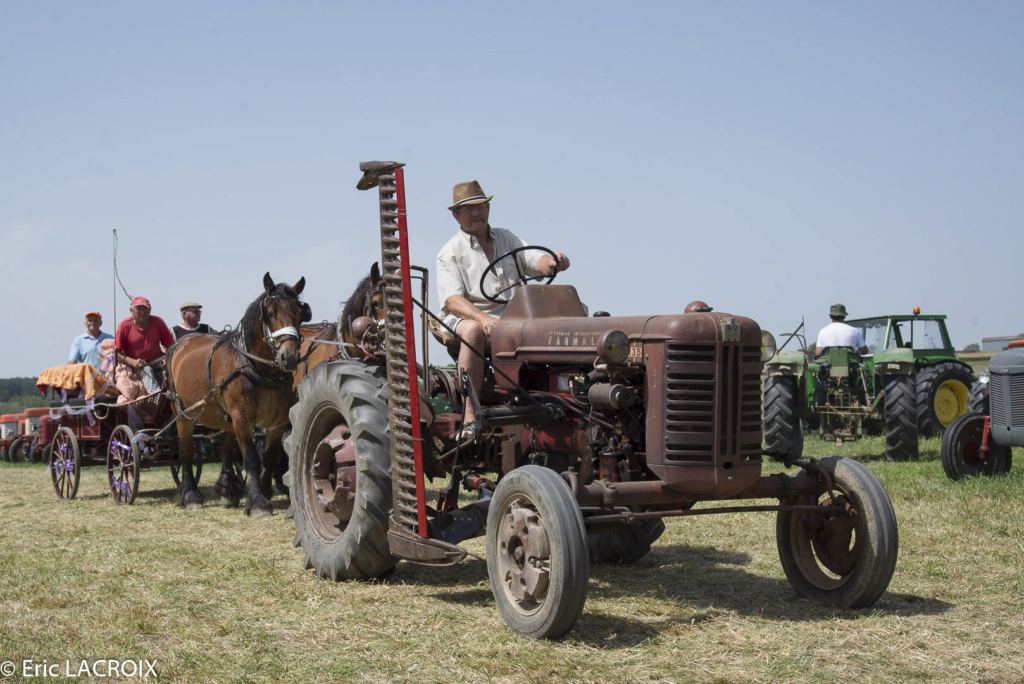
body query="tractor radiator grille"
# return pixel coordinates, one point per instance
(1006, 397)
(712, 402)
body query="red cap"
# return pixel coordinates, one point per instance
(93, 313)
(141, 301)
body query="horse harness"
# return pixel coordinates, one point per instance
(248, 368)
(339, 333)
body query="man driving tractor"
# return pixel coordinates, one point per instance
(838, 333)
(461, 264)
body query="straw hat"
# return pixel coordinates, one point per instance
(469, 192)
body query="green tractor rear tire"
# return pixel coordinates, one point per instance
(977, 398)
(942, 395)
(900, 419)
(782, 430)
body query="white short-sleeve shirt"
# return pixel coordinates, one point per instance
(839, 334)
(462, 262)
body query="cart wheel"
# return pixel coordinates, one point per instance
(537, 556)
(961, 449)
(65, 464)
(844, 559)
(123, 466)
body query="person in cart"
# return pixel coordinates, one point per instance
(190, 313)
(86, 347)
(460, 265)
(141, 340)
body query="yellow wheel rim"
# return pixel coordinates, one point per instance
(950, 401)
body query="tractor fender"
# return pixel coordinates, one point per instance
(786, 363)
(894, 362)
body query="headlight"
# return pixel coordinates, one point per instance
(983, 375)
(613, 346)
(768, 348)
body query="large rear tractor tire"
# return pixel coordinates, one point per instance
(845, 559)
(942, 395)
(537, 553)
(339, 471)
(782, 430)
(900, 419)
(977, 398)
(961, 449)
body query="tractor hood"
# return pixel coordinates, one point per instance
(547, 325)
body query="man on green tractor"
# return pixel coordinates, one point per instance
(840, 334)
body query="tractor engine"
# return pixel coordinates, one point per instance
(641, 398)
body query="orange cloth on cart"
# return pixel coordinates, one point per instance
(75, 376)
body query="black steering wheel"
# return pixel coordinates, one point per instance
(523, 278)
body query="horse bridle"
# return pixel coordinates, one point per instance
(368, 313)
(277, 337)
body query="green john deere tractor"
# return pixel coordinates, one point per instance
(910, 384)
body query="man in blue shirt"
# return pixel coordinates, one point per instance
(86, 347)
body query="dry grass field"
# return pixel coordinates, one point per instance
(212, 596)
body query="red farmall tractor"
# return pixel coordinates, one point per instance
(592, 430)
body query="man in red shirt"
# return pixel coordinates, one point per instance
(140, 339)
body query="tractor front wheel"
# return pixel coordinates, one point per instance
(961, 449)
(339, 471)
(900, 419)
(845, 554)
(782, 430)
(16, 454)
(537, 553)
(942, 395)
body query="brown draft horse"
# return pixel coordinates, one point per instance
(240, 382)
(359, 322)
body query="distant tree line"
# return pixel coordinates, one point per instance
(18, 394)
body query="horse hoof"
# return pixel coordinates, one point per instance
(259, 507)
(191, 500)
(227, 502)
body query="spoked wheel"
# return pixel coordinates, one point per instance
(961, 449)
(123, 467)
(65, 464)
(339, 471)
(537, 553)
(844, 558)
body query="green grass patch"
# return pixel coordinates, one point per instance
(213, 596)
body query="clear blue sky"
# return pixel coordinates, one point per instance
(770, 158)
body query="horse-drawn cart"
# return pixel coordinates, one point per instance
(127, 437)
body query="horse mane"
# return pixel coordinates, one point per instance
(248, 329)
(353, 305)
